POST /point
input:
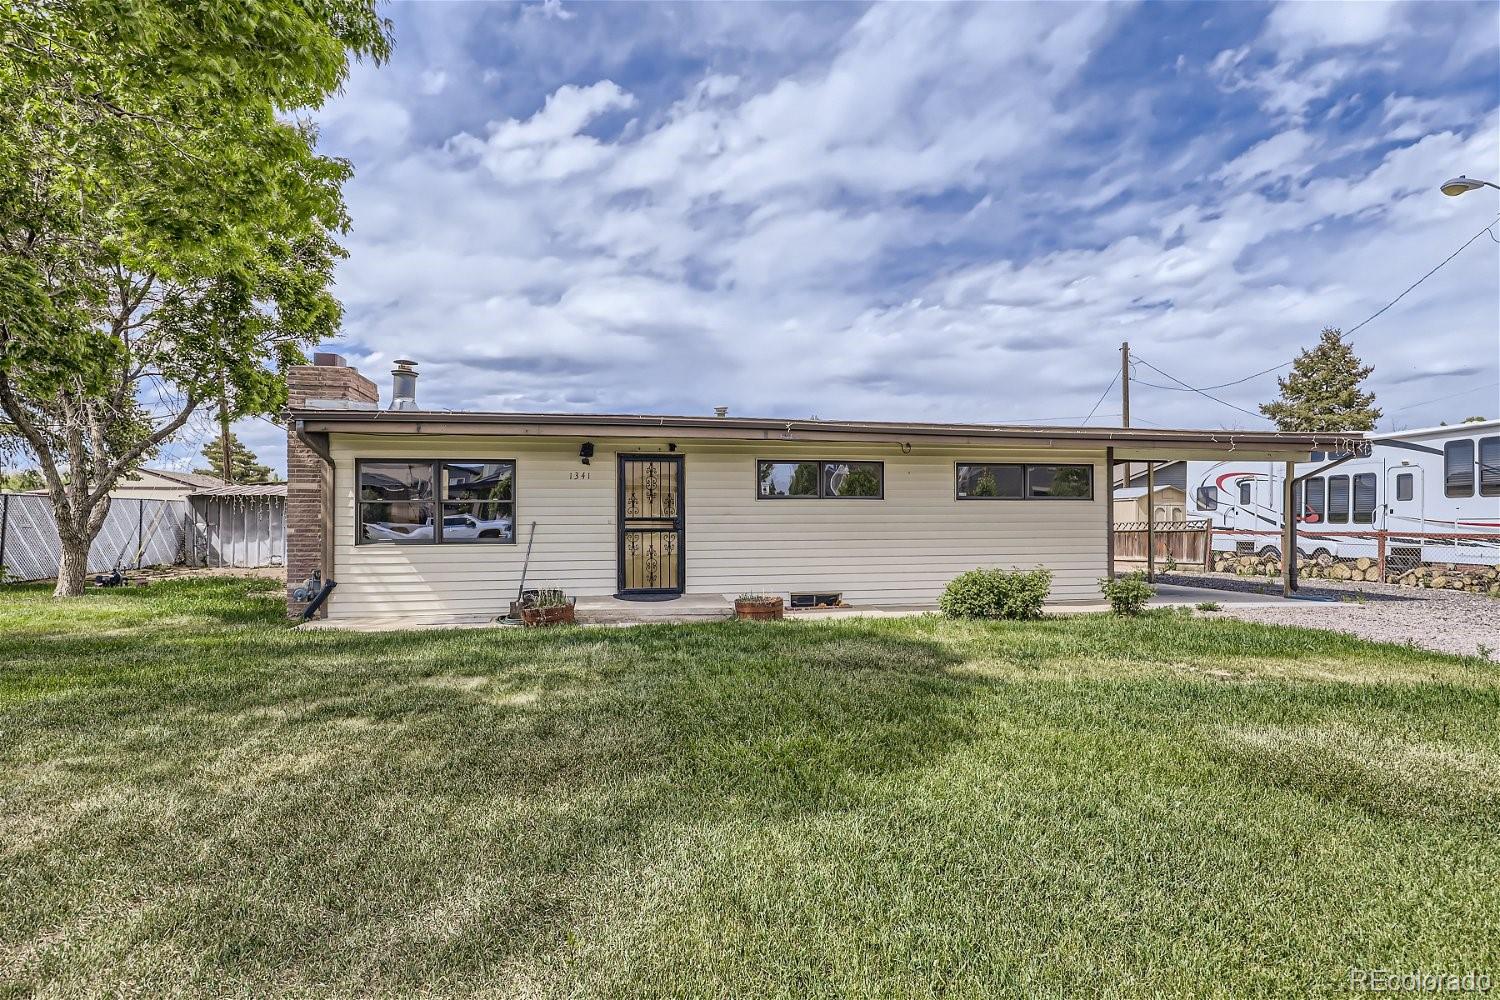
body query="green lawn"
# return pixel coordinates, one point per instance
(195, 799)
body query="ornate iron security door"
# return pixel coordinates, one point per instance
(651, 524)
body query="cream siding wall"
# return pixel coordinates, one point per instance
(902, 549)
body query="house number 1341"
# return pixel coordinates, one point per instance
(578, 475)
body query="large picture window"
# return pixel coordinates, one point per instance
(819, 480)
(1458, 469)
(1005, 481)
(437, 501)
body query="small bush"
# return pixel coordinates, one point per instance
(1207, 605)
(1128, 594)
(997, 593)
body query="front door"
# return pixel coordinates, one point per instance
(651, 524)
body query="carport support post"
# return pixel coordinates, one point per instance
(1109, 515)
(1289, 531)
(1151, 522)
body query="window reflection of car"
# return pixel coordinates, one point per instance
(455, 526)
(468, 526)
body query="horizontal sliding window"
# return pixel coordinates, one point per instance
(820, 480)
(437, 501)
(991, 482)
(997, 481)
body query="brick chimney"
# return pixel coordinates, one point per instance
(309, 479)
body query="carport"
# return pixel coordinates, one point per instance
(1247, 446)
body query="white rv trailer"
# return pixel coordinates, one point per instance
(1440, 484)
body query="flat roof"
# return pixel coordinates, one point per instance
(1136, 443)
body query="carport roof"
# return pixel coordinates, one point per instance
(1130, 443)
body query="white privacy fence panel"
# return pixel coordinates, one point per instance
(136, 533)
(236, 531)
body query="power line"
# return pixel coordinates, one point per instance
(1184, 387)
(1454, 395)
(1100, 400)
(1424, 277)
(1200, 392)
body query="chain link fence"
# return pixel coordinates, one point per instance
(136, 533)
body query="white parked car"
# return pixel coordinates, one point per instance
(454, 526)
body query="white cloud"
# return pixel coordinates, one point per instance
(432, 82)
(936, 213)
(1296, 25)
(547, 146)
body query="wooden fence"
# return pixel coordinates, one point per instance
(1186, 542)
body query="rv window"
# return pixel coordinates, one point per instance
(1489, 467)
(1458, 469)
(1314, 512)
(1316, 458)
(1364, 498)
(1404, 484)
(1208, 498)
(1338, 499)
(1245, 492)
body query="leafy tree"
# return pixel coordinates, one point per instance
(1322, 391)
(24, 481)
(244, 465)
(166, 227)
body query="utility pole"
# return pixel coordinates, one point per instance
(1124, 403)
(228, 470)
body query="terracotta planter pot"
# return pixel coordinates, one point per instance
(759, 610)
(560, 614)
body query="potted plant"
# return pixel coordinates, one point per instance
(757, 607)
(547, 607)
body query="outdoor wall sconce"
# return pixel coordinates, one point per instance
(586, 451)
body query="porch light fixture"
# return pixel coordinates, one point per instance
(1463, 185)
(586, 452)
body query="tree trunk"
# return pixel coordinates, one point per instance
(73, 567)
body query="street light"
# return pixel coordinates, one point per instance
(1462, 185)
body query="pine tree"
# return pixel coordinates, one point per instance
(1322, 391)
(244, 466)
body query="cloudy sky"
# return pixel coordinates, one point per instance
(920, 211)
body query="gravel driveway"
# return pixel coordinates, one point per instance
(1448, 621)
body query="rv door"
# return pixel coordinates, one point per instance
(1403, 498)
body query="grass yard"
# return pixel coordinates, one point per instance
(195, 799)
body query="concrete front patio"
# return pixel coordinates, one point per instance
(716, 607)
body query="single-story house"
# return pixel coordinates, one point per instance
(157, 484)
(1164, 474)
(433, 512)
